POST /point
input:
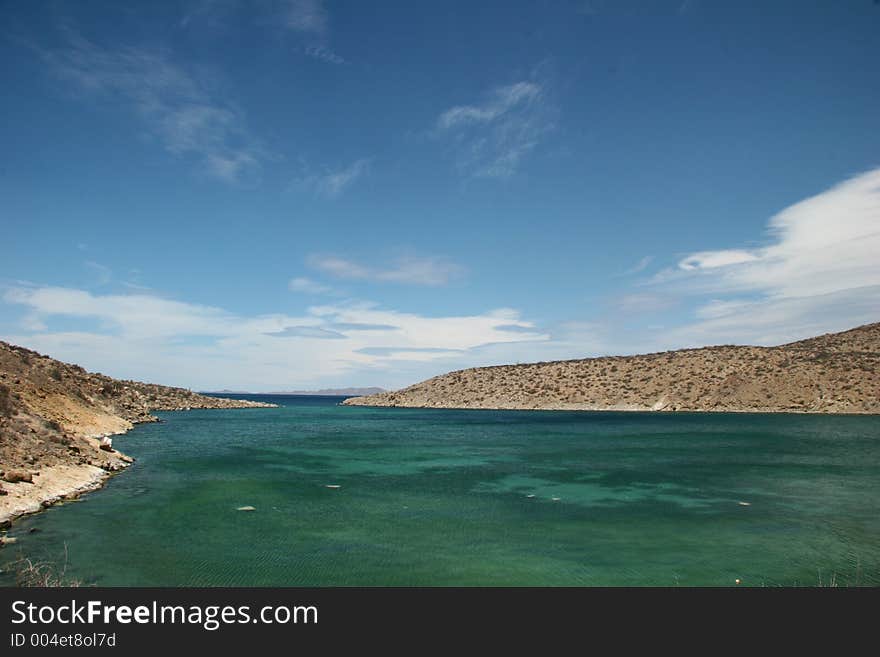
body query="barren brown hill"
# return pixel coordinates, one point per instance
(832, 373)
(52, 416)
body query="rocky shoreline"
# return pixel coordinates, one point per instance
(56, 420)
(56, 484)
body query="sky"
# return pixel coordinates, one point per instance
(270, 195)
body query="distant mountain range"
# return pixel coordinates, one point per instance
(339, 392)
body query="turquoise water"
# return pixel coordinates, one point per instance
(442, 497)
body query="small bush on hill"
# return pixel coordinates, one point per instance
(7, 406)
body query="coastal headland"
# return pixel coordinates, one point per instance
(56, 420)
(831, 373)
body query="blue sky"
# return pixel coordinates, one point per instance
(295, 193)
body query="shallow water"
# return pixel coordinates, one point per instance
(444, 497)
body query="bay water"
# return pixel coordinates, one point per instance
(383, 496)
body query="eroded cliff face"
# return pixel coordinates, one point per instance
(53, 414)
(833, 373)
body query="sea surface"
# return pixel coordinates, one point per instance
(448, 497)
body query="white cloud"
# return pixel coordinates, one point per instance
(308, 286)
(408, 270)
(492, 138)
(331, 184)
(819, 273)
(827, 243)
(148, 337)
(135, 315)
(181, 113)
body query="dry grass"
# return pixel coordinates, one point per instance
(29, 573)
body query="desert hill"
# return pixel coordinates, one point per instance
(832, 373)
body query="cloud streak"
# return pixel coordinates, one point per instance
(332, 184)
(640, 266)
(308, 16)
(492, 138)
(324, 54)
(308, 286)
(407, 270)
(186, 118)
(307, 332)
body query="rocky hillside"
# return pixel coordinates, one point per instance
(53, 413)
(833, 373)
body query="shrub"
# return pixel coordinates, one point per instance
(111, 389)
(7, 407)
(53, 424)
(29, 573)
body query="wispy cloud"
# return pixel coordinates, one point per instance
(308, 16)
(308, 21)
(640, 266)
(311, 20)
(644, 302)
(186, 118)
(307, 332)
(308, 286)
(331, 184)
(428, 271)
(355, 326)
(818, 273)
(102, 273)
(492, 137)
(501, 101)
(324, 54)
